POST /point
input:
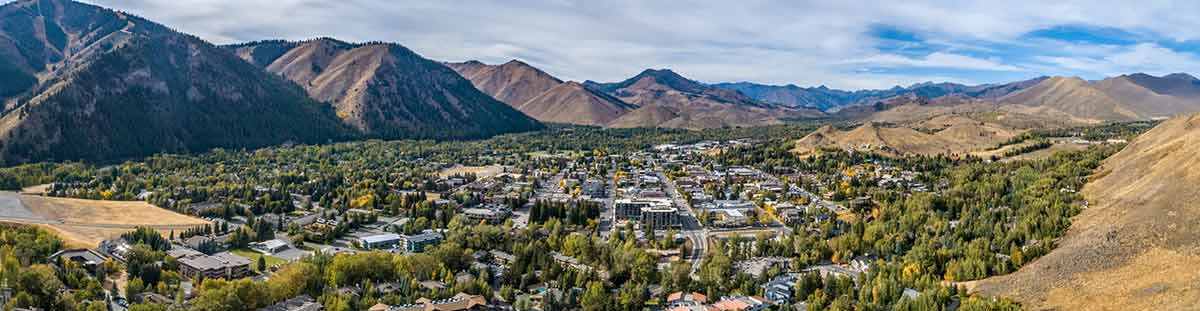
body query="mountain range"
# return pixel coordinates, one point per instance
(386, 90)
(89, 83)
(541, 95)
(83, 82)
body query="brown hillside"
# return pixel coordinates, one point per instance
(1072, 96)
(541, 95)
(1136, 247)
(387, 91)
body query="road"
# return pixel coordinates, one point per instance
(692, 229)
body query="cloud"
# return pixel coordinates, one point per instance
(1146, 57)
(779, 42)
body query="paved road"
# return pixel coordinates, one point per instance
(692, 229)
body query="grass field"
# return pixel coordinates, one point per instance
(480, 171)
(253, 256)
(84, 223)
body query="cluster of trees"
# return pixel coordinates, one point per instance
(36, 283)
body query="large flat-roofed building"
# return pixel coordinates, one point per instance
(220, 265)
(630, 209)
(418, 242)
(492, 214)
(660, 216)
(380, 241)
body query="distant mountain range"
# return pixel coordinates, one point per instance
(827, 99)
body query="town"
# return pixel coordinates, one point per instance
(673, 226)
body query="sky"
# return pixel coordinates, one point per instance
(840, 44)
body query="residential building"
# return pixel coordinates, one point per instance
(461, 301)
(300, 303)
(418, 242)
(86, 258)
(779, 289)
(492, 214)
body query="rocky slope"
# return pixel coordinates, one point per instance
(86, 83)
(541, 95)
(1136, 246)
(666, 99)
(386, 90)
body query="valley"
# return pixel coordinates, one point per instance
(396, 167)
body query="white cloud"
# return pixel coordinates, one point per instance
(1146, 57)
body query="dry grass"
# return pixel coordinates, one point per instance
(84, 223)
(479, 171)
(1136, 247)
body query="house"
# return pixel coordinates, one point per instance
(300, 303)
(741, 303)
(380, 241)
(679, 299)
(220, 265)
(86, 258)
(779, 289)
(461, 301)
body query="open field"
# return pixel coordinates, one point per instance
(87, 222)
(480, 171)
(253, 256)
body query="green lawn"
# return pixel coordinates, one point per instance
(253, 256)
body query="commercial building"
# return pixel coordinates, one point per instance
(220, 265)
(660, 217)
(418, 242)
(380, 241)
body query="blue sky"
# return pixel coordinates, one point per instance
(842, 44)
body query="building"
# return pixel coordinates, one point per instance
(741, 303)
(681, 299)
(632, 208)
(271, 247)
(86, 258)
(595, 188)
(418, 242)
(380, 241)
(300, 303)
(461, 301)
(779, 289)
(660, 217)
(629, 209)
(224, 265)
(492, 214)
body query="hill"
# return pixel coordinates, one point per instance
(541, 95)
(667, 99)
(387, 91)
(1135, 247)
(83, 82)
(1122, 98)
(949, 134)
